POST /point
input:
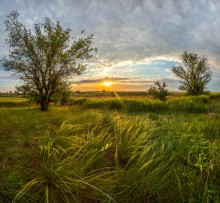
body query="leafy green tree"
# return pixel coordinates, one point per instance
(62, 95)
(27, 92)
(159, 90)
(44, 56)
(194, 72)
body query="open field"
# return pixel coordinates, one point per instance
(101, 150)
(12, 100)
(121, 94)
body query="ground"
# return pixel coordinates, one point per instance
(88, 153)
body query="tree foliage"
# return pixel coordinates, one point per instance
(27, 92)
(159, 90)
(44, 56)
(194, 72)
(62, 95)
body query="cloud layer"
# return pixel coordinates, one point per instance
(129, 33)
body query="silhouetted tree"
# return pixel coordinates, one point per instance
(44, 56)
(194, 72)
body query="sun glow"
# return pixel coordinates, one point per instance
(107, 84)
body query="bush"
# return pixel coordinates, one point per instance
(159, 91)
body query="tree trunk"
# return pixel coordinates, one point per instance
(44, 103)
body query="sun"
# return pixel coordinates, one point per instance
(107, 84)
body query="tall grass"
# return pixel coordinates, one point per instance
(71, 168)
(196, 104)
(118, 159)
(74, 154)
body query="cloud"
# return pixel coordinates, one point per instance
(111, 79)
(120, 84)
(133, 29)
(131, 36)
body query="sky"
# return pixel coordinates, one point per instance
(138, 41)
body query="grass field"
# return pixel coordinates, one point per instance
(12, 100)
(101, 150)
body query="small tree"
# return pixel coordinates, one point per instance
(62, 95)
(159, 91)
(194, 72)
(44, 57)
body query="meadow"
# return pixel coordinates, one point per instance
(11, 100)
(111, 148)
(6, 101)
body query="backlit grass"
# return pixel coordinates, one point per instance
(183, 104)
(12, 100)
(117, 154)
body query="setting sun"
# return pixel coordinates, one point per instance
(107, 84)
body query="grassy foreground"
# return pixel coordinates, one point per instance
(86, 153)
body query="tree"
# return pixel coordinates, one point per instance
(27, 92)
(44, 56)
(159, 91)
(194, 72)
(62, 95)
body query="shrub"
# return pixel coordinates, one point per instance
(159, 91)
